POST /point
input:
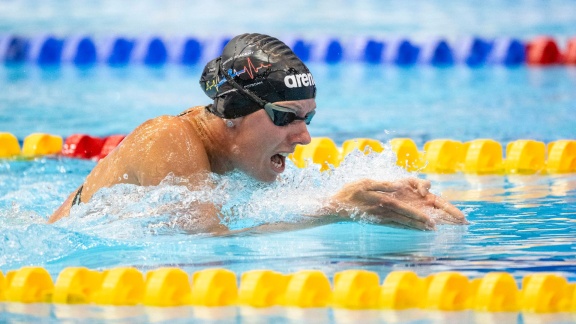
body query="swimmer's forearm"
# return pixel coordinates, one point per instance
(285, 226)
(64, 209)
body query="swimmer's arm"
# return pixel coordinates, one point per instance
(405, 203)
(175, 149)
(401, 204)
(64, 209)
(282, 226)
(154, 149)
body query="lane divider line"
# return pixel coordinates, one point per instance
(189, 50)
(349, 289)
(439, 156)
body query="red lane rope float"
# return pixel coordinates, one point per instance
(571, 52)
(110, 144)
(82, 146)
(89, 147)
(543, 51)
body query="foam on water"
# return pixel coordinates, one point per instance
(518, 223)
(129, 211)
(135, 224)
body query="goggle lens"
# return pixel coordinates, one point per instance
(282, 116)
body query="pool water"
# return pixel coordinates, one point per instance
(380, 101)
(518, 224)
(421, 18)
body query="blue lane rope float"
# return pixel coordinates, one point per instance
(439, 156)
(436, 52)
(473, 51)
(153, 51)
(51, 51)
(349, 289)
(121, 51)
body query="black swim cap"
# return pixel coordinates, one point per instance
(261, 64)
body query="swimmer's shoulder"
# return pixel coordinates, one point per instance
(166, 144)
(163, 134)
(169, 126)
(166, 133)
(193, 111)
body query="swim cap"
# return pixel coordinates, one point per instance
(252, 70)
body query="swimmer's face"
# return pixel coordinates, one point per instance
(262, 147)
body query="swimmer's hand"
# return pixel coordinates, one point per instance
(406, 203)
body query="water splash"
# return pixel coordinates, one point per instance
(129, 223)
(128, 211)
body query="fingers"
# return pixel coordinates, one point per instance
(413, 223)
(424, 187)
(453, 214)
(384, 186)
(447, 207)
(449, 212)
(402, 213)
(404, 203)
(390, 218)
(397, 223)
(421, 186)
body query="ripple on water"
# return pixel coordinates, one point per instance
(519, 225)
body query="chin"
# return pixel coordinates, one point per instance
(267, 178)
(261, 174)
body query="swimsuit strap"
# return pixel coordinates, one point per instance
(77, 198)
(192, 109)
(184, 113)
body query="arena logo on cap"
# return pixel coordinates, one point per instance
(299, 80)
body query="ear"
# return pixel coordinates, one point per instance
(238, 120)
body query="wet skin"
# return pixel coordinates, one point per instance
(197, 143)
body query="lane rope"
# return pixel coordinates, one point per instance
(349, 289)
(439, 156)
(155, 51)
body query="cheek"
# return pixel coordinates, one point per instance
(264, 138)
(272, 141)
(251, 149)
(259, 136)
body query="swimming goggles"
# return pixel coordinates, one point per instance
(280, 116)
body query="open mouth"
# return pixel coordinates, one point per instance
(279, 162)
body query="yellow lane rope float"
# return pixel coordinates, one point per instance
(438, 156)
(350, 289)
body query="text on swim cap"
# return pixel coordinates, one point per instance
(299, 80)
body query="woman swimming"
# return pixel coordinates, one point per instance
(263, 100)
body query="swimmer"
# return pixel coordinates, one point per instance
(263, 99)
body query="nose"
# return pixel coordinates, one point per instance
(300, 134)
